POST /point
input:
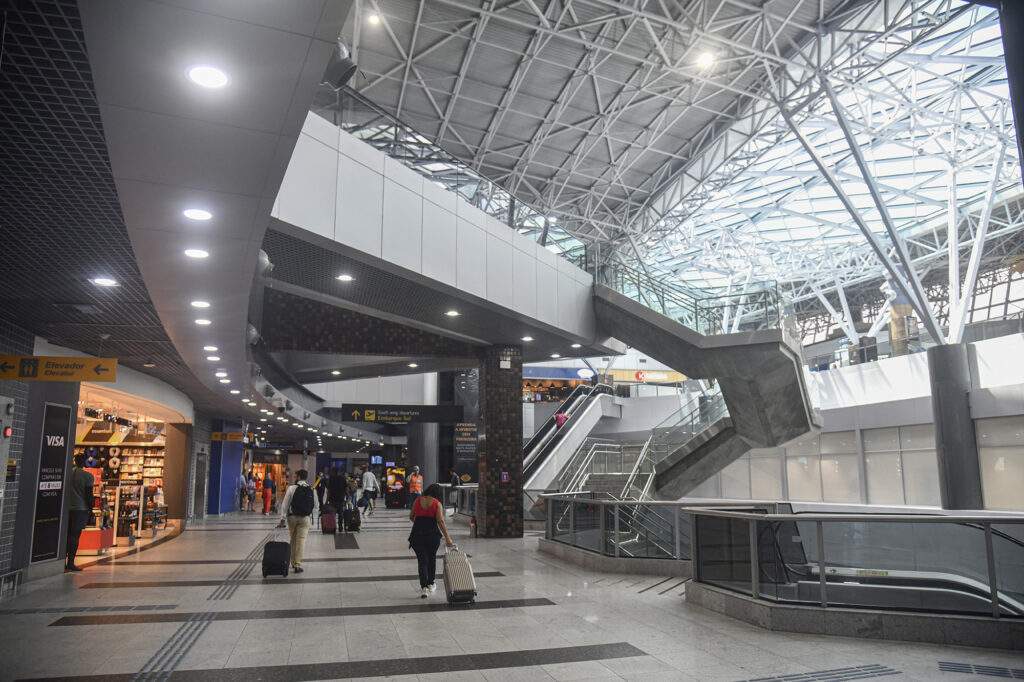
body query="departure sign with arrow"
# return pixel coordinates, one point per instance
(401, 414)
(46, 368)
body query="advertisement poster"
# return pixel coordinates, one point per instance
(53, 457)
(465, 451)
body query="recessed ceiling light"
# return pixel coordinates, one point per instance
(104, 281)
(705, 60)
(221, 374)
(345, 278)
(225, 381)
(208, 76)
(527, 338)
(413, 364)
(263, 419)
(213, 358)
(336, 372)
(210, 349)
(245, 400)
(197, 214)
(555, 355)
(200, 304)
(149, 364)
(197, 253)
(235, 391)
(452, 313)
(203, 322)
(373, 19)
(576, 345)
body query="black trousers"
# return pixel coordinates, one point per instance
(76, 524)
(426, 558)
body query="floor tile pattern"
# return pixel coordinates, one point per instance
(860, 672)
(975, 669)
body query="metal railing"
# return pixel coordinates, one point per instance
(970, 564)
(690, 420)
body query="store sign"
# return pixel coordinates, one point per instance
(269, 458)
(632, 375)
(44, 368)
(53, 456)
(401, 414)
(228, 436)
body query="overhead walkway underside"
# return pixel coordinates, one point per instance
(760, 374)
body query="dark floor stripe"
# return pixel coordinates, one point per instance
(419, 607)
(91, 609)
(345, 541)
(398, 666)
(266, 581)
(253, 527)
(201, 562)
(655, 585)
(673, 587)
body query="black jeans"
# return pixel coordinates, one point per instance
(76, 524)
(426, 558)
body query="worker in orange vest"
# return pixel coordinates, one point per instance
(415, 485)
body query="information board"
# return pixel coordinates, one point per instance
(53, 457)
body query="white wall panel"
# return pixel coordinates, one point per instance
(402, 240)
(404, 176)
(321, 129)
(500, 230)
(999, 361)
(568, 316)
(524, 283)
(470, 214)
(471, 254)
(547, 294)
(361, 152)
(391, 390)
(360, 207)
(436, 194)
(307, 196)
(500, 282)
(439, 243)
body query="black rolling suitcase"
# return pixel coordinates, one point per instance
(351, 519)
(276, 556)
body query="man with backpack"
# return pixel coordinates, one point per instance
(300, 502)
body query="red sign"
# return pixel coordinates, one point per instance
(639, 375)
(504, 477)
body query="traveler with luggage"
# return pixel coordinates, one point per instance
(415, 485)
(353, 488)
(300, 502)
(370, 486)
(427, 516)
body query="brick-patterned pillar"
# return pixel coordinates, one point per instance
(499, 504)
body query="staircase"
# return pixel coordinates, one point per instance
(607, 485)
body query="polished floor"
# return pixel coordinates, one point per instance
(197, 607)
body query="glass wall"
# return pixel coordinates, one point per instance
(1001, 451)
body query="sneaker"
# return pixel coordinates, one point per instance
(423, 592)
(298, 569)
(432, 587)
(72, 569)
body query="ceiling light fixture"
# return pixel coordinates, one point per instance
(235, 391)
(197, 253)
(210, 349)
(527, 338)
(197, 214)
(208, 77)
(221, 374)
(345, 278)
(555, 355)
(576, 345)
(373, 19)
(200, 304)
(225, 381)
(452, 313)
(202, 322)
(413, 364)
(149, 363)
(213, 358)
(104, 281)
(336, 372)
(705, 60)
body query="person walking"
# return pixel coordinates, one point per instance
(427, 516)
(456, 480)
(353, 488)
(250, 492)
(415, 485)
(269, 489)
(80, 506)
(300, 502)
(370, 486)
(560, 419)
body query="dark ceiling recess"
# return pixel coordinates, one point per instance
(60, 218)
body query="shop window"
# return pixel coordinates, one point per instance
(881, 440)
(840, 478)
(1000, 431)
(803, 473)
(884, 477)
(917, 437)
(766, 474)
(838, 442)
(804, 445)
(921, 477)
(736, 479)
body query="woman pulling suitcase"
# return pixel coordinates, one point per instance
(427, 516)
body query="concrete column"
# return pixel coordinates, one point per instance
(898, 314)
(955, 442)
(499, 503)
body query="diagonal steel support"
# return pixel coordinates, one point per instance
(922, 306)
(883, 319)
(958, 318)
(846, 324)
(876, 245)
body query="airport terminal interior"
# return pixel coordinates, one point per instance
(511, 340)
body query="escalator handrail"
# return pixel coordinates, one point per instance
(554, 433)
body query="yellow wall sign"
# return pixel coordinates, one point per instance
(647, 376)
(44, 368)
(229, 436)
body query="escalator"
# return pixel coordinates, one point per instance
(542, 452)
(737, 341)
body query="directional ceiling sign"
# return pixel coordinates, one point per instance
(401, 414)
(43, 368)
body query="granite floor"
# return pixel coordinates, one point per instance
(197, 607)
